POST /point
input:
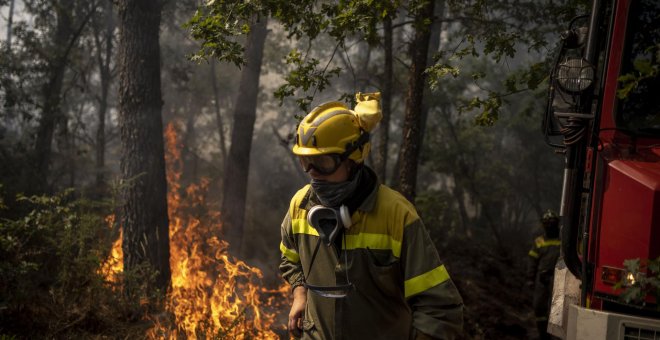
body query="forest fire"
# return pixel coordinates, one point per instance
(113, 264)
(212, 295)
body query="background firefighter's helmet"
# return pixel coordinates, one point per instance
(332, 128)
(550, 218)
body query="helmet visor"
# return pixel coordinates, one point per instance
(323, 164)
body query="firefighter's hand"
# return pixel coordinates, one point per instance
(297, 311)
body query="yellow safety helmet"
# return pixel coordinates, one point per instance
(550, 218)
(333, 128)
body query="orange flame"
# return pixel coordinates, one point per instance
(113, 265)
(212, 294)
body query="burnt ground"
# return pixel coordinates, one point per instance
(497, 305)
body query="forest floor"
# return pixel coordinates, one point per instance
(497, 305)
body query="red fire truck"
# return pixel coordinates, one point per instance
(603, 115)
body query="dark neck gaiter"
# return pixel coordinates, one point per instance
(350, 193)
(332, 194)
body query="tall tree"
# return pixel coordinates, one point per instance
(238, 161)
(103, 42)
(218, 113)
(71, 20)
(386, 101)
(10, 22)
(144, 208)
(412, 124)
(434, 46)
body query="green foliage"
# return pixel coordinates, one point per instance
(217, 27)
(437, 71)
(644, 69)
(529, 78)
(50, 278)
(439, 215)
(19, 76)
(500, 177)
(305, 76)
(494, 29)
(501, 44)
(646, 281)
(499, 30)
(42, 247)
(362, 16)
(489, 108)
(220, 24)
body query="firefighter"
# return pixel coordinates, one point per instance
(542, 259)
(355, 252)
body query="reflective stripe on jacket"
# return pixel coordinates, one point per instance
(542, 257)
(400, 283)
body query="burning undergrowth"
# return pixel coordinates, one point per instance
(212, 295)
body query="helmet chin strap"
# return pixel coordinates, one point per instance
(358, 143)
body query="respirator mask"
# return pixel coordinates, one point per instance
(329, 223)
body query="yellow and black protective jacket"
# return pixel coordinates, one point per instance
(541, 269)
(401, 286)
(543, 257)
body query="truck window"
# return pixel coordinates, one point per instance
(639, 83)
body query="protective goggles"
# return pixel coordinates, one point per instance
(324, 164)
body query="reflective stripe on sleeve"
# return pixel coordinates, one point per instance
(373, 241)
(533, 254)
(550, 243)
(290, 254)
(359, 241)
(425, 281)
(300, 226)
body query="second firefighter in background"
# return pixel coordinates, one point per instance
(541, 269)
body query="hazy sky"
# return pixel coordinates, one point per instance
(4, 15)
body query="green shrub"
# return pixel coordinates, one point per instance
(50, 280)
(646, 282)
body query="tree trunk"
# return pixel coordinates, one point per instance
(413, 119)
(218, 114)
(434, 46)
(386, 102)
(238, 162)
(104, 58)
(458, 190)
(188, 152)
(51, 92)
(144, 210)
(63, 41)
(463, 171)
(459, 196)
(69, 151)
(10, 23)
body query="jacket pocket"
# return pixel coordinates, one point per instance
(385, 271)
